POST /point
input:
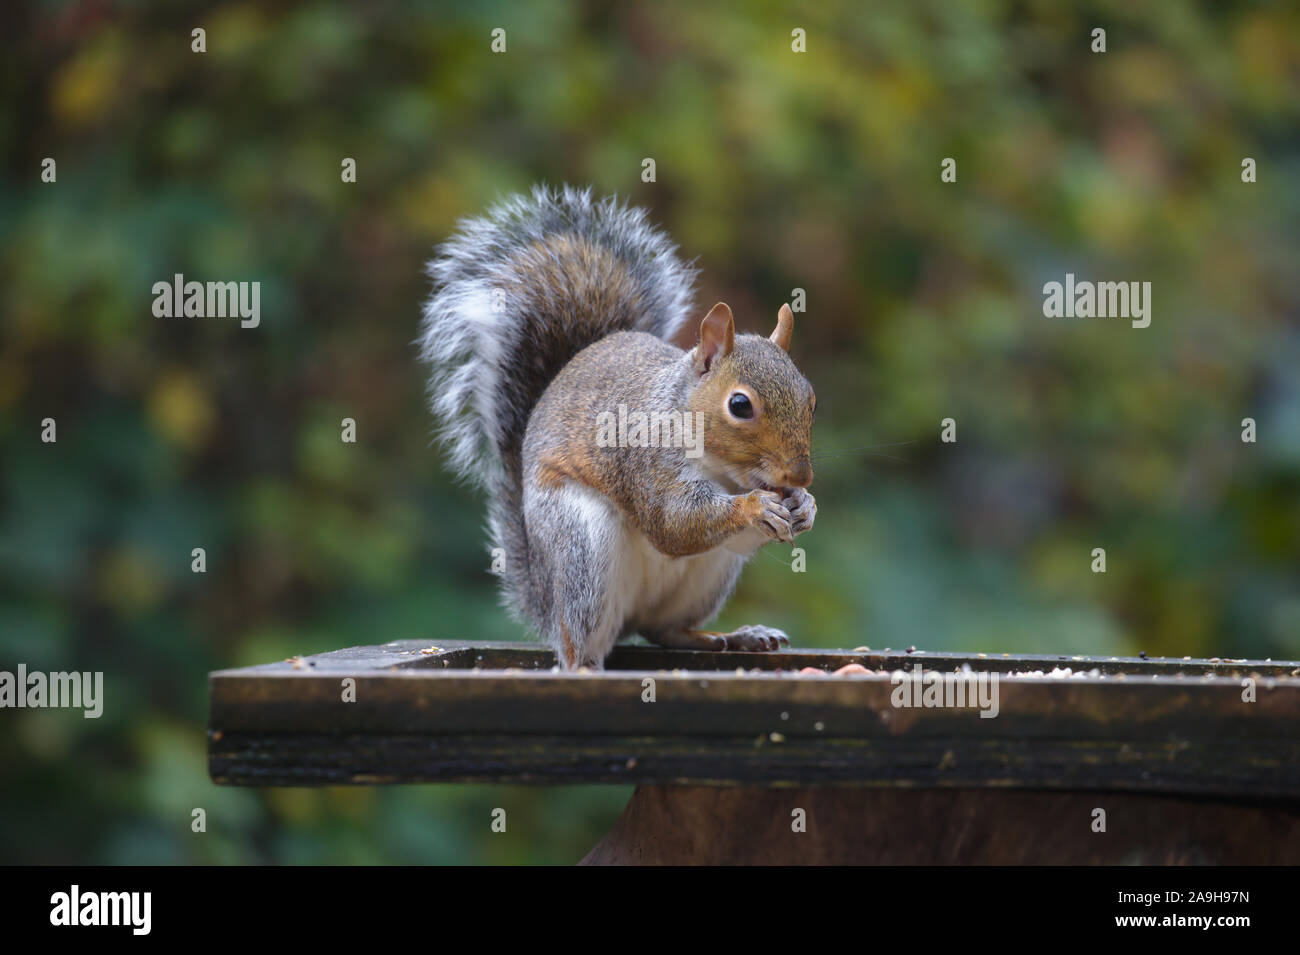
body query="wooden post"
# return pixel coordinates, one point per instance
(706, 825)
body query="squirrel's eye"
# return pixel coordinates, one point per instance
(739, 406)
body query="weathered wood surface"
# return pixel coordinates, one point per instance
(497, 712)
(705, 825)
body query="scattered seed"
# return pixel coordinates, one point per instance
(852, 669)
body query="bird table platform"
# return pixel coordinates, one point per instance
(752, 757)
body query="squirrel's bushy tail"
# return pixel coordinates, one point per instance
(518, 292)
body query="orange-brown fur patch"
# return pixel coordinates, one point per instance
(571, 462)
(570, 655)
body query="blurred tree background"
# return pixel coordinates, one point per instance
(776, 170)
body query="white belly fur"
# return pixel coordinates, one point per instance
(649, 589)
(665, 591)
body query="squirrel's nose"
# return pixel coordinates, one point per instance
(800, 474)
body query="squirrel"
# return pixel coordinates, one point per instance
(548, 338)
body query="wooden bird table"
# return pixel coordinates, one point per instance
(741, 758)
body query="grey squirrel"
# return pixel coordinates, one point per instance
(548, 329)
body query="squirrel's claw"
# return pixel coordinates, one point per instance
(802, 507)
(773, 518)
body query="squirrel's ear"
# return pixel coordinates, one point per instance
(717, 337)
(784, 326)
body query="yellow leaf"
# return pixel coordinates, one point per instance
(181, 409)
(85, 86)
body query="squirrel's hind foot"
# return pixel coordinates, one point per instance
(756, 637)
(752, 637)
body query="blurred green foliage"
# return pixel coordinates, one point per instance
(776, 171)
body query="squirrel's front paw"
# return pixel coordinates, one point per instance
(802, 508)
(770, 516)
